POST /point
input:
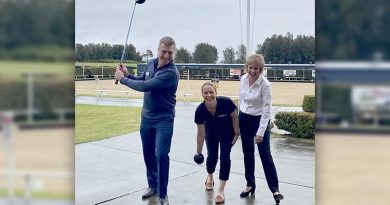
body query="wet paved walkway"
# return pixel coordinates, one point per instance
(112, 171)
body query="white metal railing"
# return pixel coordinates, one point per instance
(61, 112)
(28, 175)
(101, 93)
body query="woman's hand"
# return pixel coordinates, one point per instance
(258, 139)
(235, 138)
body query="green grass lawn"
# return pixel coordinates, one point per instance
(96, 122)
(15, 69)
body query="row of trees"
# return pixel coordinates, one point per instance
(104, 51)
(352, 30)
(36, 23)
(276, 49)
(203, 53)
(287, 49)
(37, 30)
(206, 53)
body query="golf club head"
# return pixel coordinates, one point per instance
(139, 1)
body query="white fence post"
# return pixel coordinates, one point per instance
(7, 125)
(30, 97)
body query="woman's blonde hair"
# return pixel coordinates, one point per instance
(256, 60)
(208, 83)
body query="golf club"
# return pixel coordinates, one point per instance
(128, 32)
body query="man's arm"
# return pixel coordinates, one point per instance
(133, 77)
(161, 81)
(126, 73)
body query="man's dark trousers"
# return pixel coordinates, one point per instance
(156, 138)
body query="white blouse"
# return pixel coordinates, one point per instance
(256, 100)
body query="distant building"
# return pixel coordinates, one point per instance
(274, 72)
(353, 96)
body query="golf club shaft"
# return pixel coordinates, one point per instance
(128, 32)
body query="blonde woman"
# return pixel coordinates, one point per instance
(254, 120)
(217, 123)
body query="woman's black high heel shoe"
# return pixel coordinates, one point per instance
(277, 198)
(246, 194)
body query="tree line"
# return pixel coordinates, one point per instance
(37, 29)
(352, 30)
(44, 30)
(276, 49)
(33, 28)
(287, 49)
(105, 51)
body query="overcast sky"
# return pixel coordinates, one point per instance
(189, 22)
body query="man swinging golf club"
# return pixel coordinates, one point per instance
(159, 83)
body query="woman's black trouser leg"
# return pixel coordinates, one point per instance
(212, 153)
(224, 159)
(248, 128)
(268, 163)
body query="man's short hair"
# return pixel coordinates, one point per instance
(168, 41)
